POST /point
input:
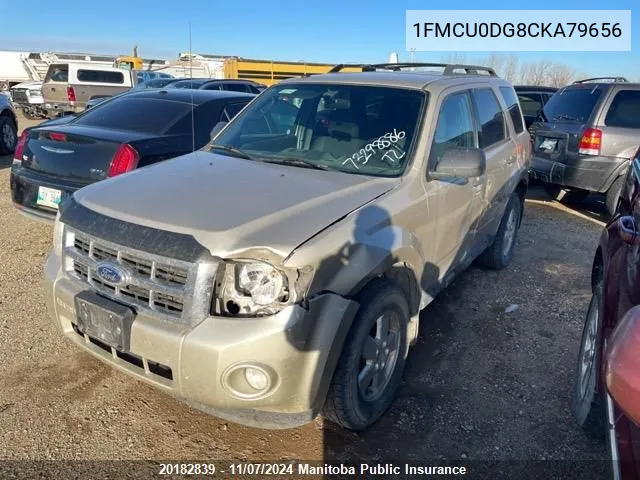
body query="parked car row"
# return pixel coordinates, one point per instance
(265, 257)
(126, 132)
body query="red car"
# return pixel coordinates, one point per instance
(606, 392)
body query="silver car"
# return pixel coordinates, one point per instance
(585, 138)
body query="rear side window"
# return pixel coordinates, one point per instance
(212, 86)
(624, 111)
(236, 87)
(145, 115)
(58, 73)
(455, 126)
(490, 116)
(513, 107)
(100, 76)
(573, 104)
(531, 103)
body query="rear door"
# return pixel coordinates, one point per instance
(620, 122)
(54, 88)
(495, 141)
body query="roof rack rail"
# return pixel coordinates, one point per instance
(449, 68)
(595, 79)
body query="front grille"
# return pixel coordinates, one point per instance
(19, 96)
(153, 283)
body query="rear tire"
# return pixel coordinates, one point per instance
(587, 403)
(499, 254)
(8, 135)
(613, 195)
(352, 402)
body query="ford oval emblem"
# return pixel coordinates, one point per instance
(111, 274)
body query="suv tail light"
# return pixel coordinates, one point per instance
(19, 151)
(590, 142)
(71, 94)
(124, 160)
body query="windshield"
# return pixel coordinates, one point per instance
(355, 129)
(572, 104)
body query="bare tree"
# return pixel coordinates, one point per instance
(561, 75)
(536, 73)
(511, 70)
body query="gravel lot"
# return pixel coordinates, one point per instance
(482, 384)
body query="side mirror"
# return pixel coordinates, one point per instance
(460, 162)
(217, 127)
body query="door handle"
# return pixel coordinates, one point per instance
(512, 159)
(477, 182)
(628, 231)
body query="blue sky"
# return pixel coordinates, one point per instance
(328, 31)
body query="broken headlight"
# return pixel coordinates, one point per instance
(255, 288)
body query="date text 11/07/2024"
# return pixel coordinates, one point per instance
(269, 469)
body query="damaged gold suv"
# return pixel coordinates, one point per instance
(279, 272)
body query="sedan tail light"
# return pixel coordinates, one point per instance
(124, 160)
(19, 151)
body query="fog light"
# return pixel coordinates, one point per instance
(256, 378)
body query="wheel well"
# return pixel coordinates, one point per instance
(521, 190)
(597, 271)
(9, 113)
(402, 274)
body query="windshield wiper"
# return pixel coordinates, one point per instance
(566, 117)
(235, 151)
(298, 162)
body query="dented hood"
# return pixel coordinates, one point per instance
(229, 204)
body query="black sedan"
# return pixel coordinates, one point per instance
(115, 137)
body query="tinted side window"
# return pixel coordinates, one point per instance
(236, 87)
(513, 107)
(531, 103)
(99, 76)
(490, 118)
(212, 86)
(454, 128)
(624, 110)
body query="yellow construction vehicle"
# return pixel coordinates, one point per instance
(129, 63)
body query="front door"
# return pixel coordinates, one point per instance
(457, 203)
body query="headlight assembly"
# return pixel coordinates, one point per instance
(253, 288)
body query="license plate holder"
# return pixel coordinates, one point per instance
(548, 144)
(49, 197)
(105, 320)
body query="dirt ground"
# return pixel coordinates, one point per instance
(481, 385)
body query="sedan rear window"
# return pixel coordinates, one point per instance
(145, 115)
(572, 104)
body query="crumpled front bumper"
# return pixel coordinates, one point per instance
(202, 365)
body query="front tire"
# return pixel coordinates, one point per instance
(373, 358)
(587, 403)
(499, 254)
